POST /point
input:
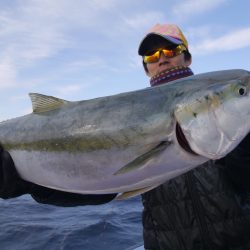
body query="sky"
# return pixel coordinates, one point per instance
(83, 49)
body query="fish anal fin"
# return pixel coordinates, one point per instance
(43, 103)
(134, 193)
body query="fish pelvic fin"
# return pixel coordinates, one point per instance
(43, 103)
(142, 160)
(134, 193)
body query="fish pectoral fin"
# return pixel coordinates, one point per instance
(43, 103)
(134, 193)
(140, 161)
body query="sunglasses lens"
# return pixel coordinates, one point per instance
(152, 58)
(168, 52)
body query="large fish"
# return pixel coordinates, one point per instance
(130, 142)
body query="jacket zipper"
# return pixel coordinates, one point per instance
(198, 210)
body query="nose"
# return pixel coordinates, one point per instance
(162, 58)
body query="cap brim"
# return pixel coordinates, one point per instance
(153, 39)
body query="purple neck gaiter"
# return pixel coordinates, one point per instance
(170, 75)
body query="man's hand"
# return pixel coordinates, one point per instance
(11, 185)
(238, 165)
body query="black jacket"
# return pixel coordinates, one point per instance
(206, 208)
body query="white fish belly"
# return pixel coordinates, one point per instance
(94, 174)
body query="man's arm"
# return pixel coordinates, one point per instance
(11, 186)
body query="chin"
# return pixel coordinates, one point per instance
(165, 67)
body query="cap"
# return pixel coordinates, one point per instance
(162, 32)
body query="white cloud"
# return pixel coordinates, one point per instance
(144, 20)
(18, 98)
(35, 30)
(69, 90)
(189, 8)
(7, 74)
(85, 64)
(38, 29)
(231, 41)
(135, 62)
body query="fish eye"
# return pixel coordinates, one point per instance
(242, 91)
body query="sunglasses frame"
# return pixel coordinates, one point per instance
(157, 53)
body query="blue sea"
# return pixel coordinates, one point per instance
(26, 225)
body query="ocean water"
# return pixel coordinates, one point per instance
(27, 225)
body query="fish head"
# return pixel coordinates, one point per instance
(212, 121)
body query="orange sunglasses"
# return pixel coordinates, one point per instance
(155, 55)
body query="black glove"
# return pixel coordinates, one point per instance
(237, 165)
(11, 186)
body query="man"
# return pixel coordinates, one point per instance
(206, 208)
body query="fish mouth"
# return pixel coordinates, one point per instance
(182, 140)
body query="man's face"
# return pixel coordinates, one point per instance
(165, 63)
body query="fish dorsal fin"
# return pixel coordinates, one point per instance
(43, 103)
